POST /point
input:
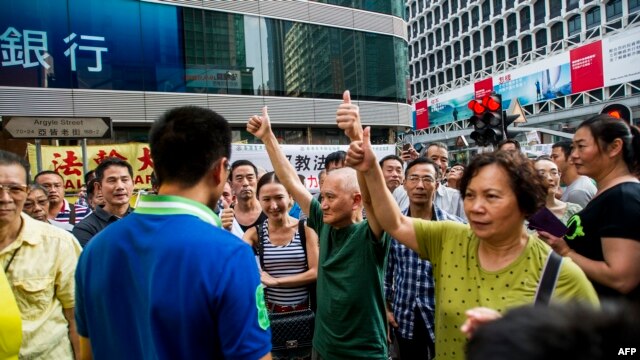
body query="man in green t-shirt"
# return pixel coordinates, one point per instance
(350, 317)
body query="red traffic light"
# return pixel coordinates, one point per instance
(491, 102)
(476, 107)
(618, 111)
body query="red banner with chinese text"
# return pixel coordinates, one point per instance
(67, 161)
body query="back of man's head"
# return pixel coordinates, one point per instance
(8, 158)
(186, 141)
(558, 331)
(109, 162)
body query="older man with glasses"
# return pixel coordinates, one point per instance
(39, 261)
(59, 209)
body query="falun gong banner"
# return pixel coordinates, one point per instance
(67, 161)
(307, 160)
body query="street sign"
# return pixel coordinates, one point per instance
(33, 127)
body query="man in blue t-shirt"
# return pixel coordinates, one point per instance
(167, 282)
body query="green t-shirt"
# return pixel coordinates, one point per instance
(461, 284)
(350, 318)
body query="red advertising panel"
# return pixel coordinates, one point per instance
(483, 88)
(586, 67)
(422, 115)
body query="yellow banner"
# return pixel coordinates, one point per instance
(67, 161)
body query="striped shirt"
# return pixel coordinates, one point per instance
(65, 213)
(281, 261)
(409, 284)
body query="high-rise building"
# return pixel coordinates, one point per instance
(131, 60)
(563, 60)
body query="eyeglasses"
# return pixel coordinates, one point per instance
(28, 205)
(14, 189)
(414, 179)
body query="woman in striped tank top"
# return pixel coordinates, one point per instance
(286, 272)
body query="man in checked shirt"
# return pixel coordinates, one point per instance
(409, 286)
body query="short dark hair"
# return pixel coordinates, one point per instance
(335, 157)
(437, 144)
(528, 186)
(509, 141)
(558, 331)
(186, 141)
(423, 160)
(47, 172)
(267, 178)
(565, 145)
(8, 158)
(90, 175)
(605, 129)
(236, 164)
(390, 157)
(109, 162)
(91, 187)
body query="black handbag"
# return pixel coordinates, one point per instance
(294, 329)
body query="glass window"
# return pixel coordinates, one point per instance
(614, 9)
(445, 11)
(458, 71)
(486, 10)
(574, 25)
(541, 38)
(512, 24)
(467, 67)
(500, 55)
(539, 11)
(555, 7)
(477, 63)
(465, 22)
(456, 26)
(112, 55)
(423, 45)
(49, 24)
(513, 49)
(633, 5)
(572, 4)
(486, 35)
(497, 7)
(499, 29)
(526, 44)
(488, 59)
(476, 41)
(456, 50)
(424, 66)
(466, 45)
(525, 18)
(475, 16)
(592, 17)
(557, 32)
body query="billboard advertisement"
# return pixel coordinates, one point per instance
(451, 106)
(541, 81)
(621, 55)
(586, 67)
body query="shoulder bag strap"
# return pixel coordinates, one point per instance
(548, 279)
(303, 241)
(260, 246)
(72, 215)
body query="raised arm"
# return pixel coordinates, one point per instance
(260, 127)
(388, 215)
(348, 119)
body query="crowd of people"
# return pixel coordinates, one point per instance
(408, 256)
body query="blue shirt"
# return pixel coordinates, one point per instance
(167, 283)
(408, 283)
